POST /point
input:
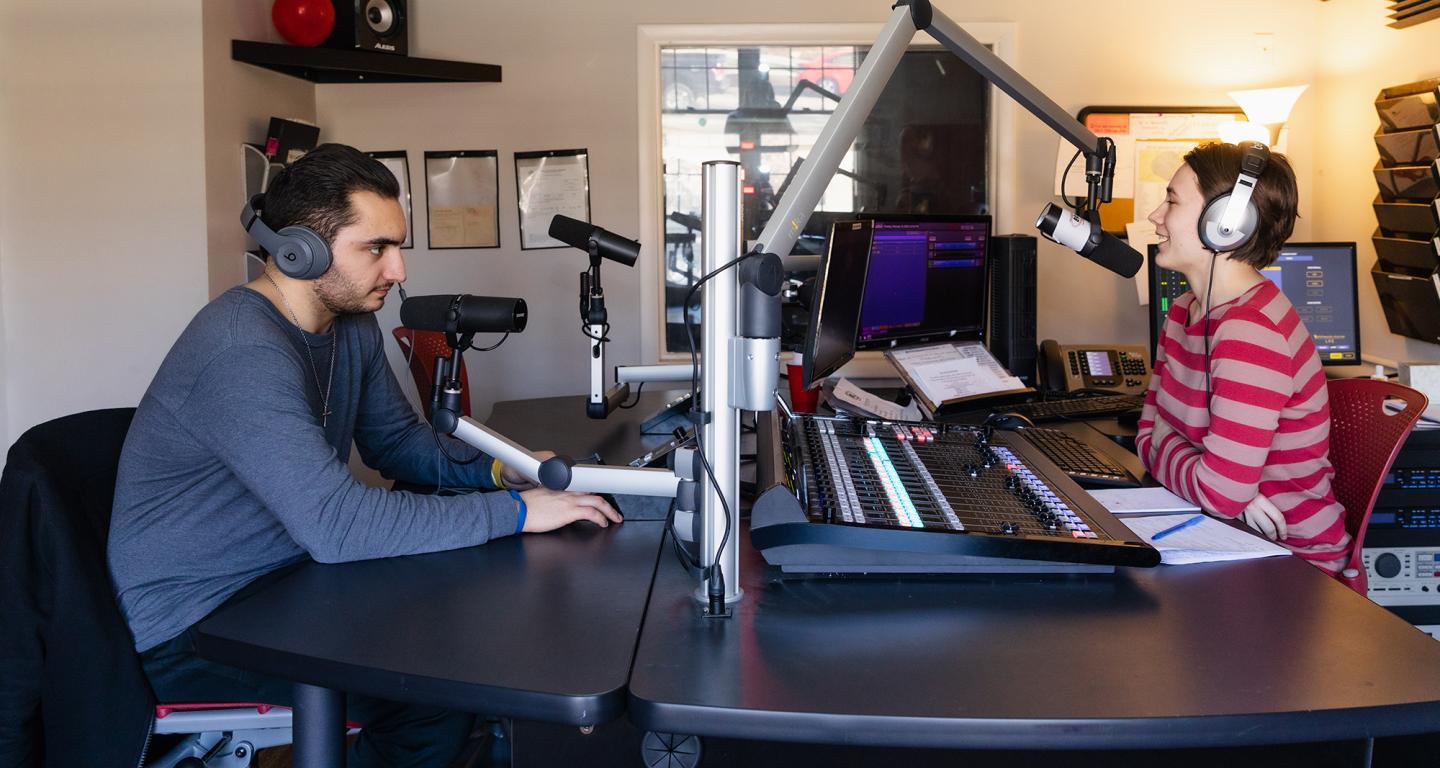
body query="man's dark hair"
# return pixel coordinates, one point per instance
(314, 191)
(1276, 198)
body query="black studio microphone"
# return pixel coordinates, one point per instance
(579, 234)
(464, 314)
(1085, 237)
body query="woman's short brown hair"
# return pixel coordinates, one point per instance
(1276, 198)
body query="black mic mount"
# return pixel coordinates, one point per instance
(761, 278)
(459, 317)
(594, 318)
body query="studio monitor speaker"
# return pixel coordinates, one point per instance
(1011, 332)
(370, 25)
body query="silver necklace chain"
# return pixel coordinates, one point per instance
(315, 369)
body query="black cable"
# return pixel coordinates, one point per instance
(1075, 205)
(1209, 288)
(462, 462)
(687, 560)
(695, 398)
(639, 387)
(604, 336)
(493, 346)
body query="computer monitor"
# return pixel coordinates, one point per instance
(927, 280)
(1318, 278)
(835, 309)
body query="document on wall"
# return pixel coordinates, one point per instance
(953, 372)
(1208, 541)
(550, 183)
(462, 195)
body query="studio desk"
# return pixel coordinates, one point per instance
(578, 625)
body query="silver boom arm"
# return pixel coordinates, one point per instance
(909, 17)
(735, 365)
(627, 480)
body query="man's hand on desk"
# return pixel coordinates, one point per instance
(1262, 515)
(547, 510)
(513, 479)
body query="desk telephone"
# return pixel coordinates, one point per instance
(1118, 368)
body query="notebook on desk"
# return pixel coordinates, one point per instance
(1142, 502)
(1208, 541)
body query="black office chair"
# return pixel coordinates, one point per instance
(78, 695)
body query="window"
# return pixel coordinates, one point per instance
(923, 149)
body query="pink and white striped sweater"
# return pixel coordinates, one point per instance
(1266, 429)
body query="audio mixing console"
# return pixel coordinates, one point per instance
(877, 496)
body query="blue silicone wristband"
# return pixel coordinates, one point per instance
(519, 521)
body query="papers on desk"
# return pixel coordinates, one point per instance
(1134, 502)
(851, 398)
(1429, 418)
(953, 372)
(1207, 542)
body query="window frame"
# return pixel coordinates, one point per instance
(1001, 162)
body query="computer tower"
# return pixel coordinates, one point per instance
(1010, 334)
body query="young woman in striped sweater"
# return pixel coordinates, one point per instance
(1237, 419)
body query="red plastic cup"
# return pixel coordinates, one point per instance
(801, 400)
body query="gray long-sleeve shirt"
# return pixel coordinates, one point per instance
(227, 472)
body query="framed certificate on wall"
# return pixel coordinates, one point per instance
(550, 182)
(462, 198)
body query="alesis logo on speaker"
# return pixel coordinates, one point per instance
(370, 25)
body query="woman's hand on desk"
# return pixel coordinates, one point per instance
(1262, 515)
(547, 510)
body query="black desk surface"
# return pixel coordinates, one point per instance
(544, 627)
(1259, 652)
(559, 424)
(540, 626)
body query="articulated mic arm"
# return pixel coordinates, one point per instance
(910, 16)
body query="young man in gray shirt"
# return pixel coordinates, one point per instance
(235, 465)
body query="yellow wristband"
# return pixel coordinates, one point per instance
(497, 473)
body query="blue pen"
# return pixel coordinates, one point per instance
(1177, 527)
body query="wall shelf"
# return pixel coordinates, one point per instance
(332, 65)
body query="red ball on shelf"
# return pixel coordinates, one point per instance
(303, 22)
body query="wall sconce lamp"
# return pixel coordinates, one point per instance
(1267, 107)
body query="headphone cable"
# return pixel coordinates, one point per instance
(1209, 289)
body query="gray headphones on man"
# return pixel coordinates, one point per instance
(298, 251)
(1229, 220)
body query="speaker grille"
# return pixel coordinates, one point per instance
(1012, 327)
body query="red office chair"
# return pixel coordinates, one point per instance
(421, 348)
(1365, 437)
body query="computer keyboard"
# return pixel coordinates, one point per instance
(1078, 408)
(1078, 460)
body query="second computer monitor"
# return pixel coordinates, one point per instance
(1318, 278)
(926, 280)
(835, 308)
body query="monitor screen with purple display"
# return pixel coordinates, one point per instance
(927, 280)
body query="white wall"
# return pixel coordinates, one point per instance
(239, 102)
(1358, 56)
(102, 216)
(119, 172)
(570, 80)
